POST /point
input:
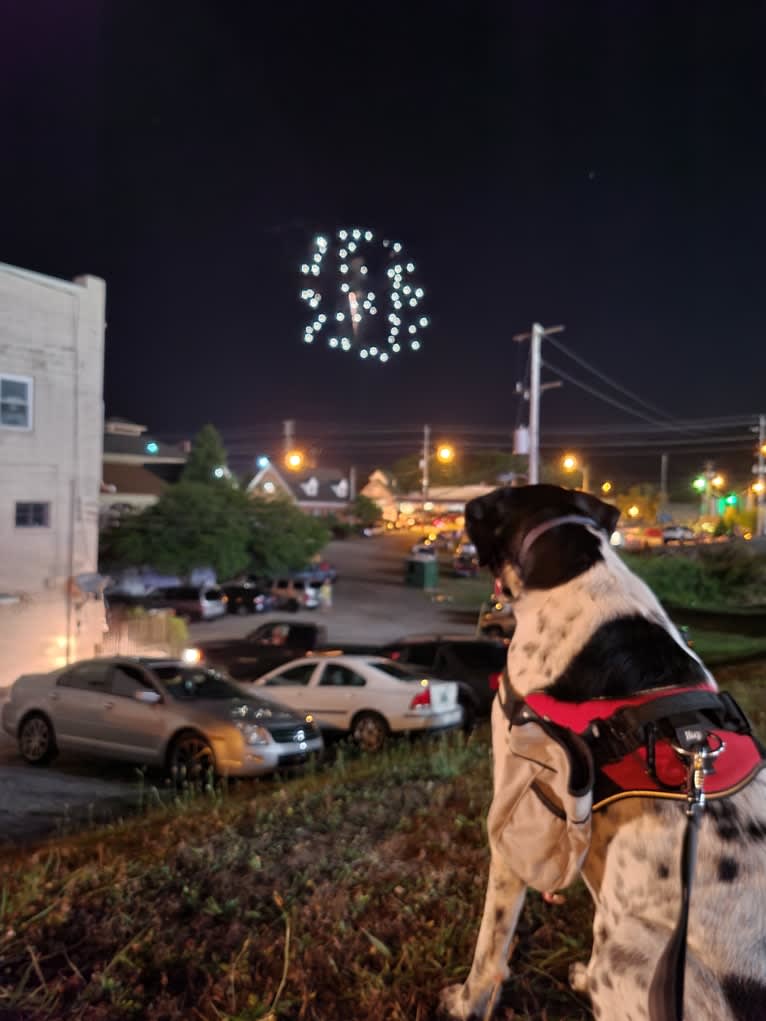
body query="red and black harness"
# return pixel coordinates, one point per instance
(687, 744)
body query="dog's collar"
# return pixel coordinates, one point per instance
(534, 533)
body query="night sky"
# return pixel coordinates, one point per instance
(601, 165)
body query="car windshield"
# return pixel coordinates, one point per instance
(185, 683)
(401, 673)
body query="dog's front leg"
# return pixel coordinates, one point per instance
(502, 907)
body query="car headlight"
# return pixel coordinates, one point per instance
(192, 656)
(254, 733)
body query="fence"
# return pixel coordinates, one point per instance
(138, 633)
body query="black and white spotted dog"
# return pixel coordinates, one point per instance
(587, 628)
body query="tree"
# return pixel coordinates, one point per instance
(466, 469)
(208, 456)
(366, 512)
(281, 536)
(193, 524)
(644, 498)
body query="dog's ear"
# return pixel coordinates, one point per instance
(604, 514)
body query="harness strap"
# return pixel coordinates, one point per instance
(632, 727)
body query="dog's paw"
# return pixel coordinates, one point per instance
(455, 1004)
(578, 977)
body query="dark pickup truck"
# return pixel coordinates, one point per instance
(266, 647)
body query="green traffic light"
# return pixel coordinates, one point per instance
(699, 484)
(732, 500)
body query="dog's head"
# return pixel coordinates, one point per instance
(499, 522)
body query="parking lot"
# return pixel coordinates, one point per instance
(370, 604)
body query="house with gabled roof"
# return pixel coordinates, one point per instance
(315, 490)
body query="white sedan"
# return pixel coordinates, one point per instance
(368, 697)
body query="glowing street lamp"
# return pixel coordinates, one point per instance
(606, 487)
(718, 481)
(633, 511)
(571, 463)
(294, 460)
(445, 453)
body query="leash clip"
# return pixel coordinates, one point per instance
(700, 759)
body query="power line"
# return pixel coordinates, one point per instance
(608, 380)
(603, 397)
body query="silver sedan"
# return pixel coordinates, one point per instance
(190, 719)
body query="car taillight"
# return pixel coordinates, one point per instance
(494, 681)
(422, 698)
(395, 654)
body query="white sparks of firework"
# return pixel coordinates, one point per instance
(368, 283)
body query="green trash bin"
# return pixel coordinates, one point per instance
(422, 572)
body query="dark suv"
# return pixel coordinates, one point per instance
(476, 662)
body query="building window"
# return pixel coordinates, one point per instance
(15, 402)
(33, 515)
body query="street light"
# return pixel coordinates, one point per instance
(606, 487)
(570, 463)
(633, 511)
(294, 460)
(445, 453)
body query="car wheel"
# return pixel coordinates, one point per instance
(370, 732)
(493, 631)
(37, 741)
(191, 759)
(469, 715)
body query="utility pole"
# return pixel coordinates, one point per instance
(535, 338)
(585, 478)
(709, 495)
(663, 483)
(288, 432)
(426, 452)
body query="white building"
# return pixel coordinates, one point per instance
(51, 428)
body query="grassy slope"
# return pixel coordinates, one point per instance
(375, 869)
(352, 893)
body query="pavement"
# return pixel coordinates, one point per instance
(370, 604)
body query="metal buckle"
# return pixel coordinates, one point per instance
(700, 760)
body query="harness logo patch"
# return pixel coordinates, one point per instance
(691, 735)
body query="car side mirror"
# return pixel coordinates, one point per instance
(145, 695)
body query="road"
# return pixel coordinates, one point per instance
(370, 604)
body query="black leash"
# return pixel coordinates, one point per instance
(666, 992)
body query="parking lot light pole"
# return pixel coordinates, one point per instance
(426, 452)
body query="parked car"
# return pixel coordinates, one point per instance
(244, 599)
(293, 594)
(466, 561)
(476, 663)
(422, 549)
(678, 533)
(161, 712)
(368, 697)
(496, 619)
(269, 645)
(447, 540)
(317, 574)
(197, 602)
